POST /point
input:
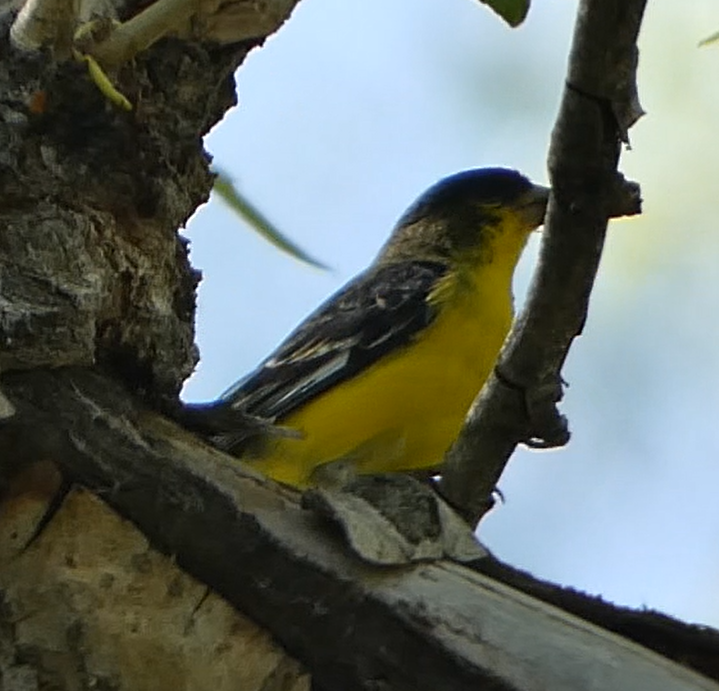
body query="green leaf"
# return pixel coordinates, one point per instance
(228, 192)
(709, 39)
(512, 11)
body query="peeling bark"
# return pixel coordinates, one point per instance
(90, 604)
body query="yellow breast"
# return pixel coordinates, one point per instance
(404, 411)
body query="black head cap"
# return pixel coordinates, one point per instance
(478, 186)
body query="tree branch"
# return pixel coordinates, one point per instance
(221, 22)
(518, 402)
(356, 626)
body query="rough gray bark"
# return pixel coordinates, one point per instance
(92, 268)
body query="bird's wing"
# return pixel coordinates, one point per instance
(376, 313)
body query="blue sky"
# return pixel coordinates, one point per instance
(352, 110)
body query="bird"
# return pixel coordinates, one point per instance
(380, 377)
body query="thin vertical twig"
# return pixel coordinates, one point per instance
(518, 402)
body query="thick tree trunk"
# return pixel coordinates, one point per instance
(93, 271)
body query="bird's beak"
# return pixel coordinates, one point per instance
(533, 205)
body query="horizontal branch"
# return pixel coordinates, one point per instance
(355, 626)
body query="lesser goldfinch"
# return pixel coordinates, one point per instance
(381, 375)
